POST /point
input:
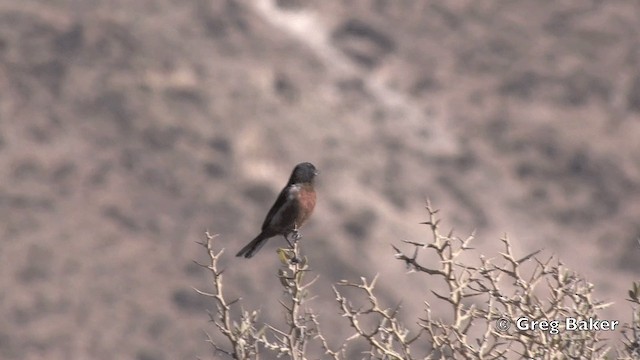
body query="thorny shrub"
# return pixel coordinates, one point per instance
(483, 300)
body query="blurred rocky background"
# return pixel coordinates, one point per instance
(128, 128)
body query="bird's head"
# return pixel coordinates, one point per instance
(303, 173)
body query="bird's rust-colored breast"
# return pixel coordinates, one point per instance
(306, 201)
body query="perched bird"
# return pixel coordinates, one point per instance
(292, 208)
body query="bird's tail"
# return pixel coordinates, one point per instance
(253, 247)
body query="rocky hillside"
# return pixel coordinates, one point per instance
(129, 128)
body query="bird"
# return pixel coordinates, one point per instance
(292, 208)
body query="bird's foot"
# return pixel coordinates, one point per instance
(293, 237)
(296, 235)
(291, 244)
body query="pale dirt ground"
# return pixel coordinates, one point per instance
(129, 128)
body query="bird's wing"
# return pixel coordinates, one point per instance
(280, 204)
